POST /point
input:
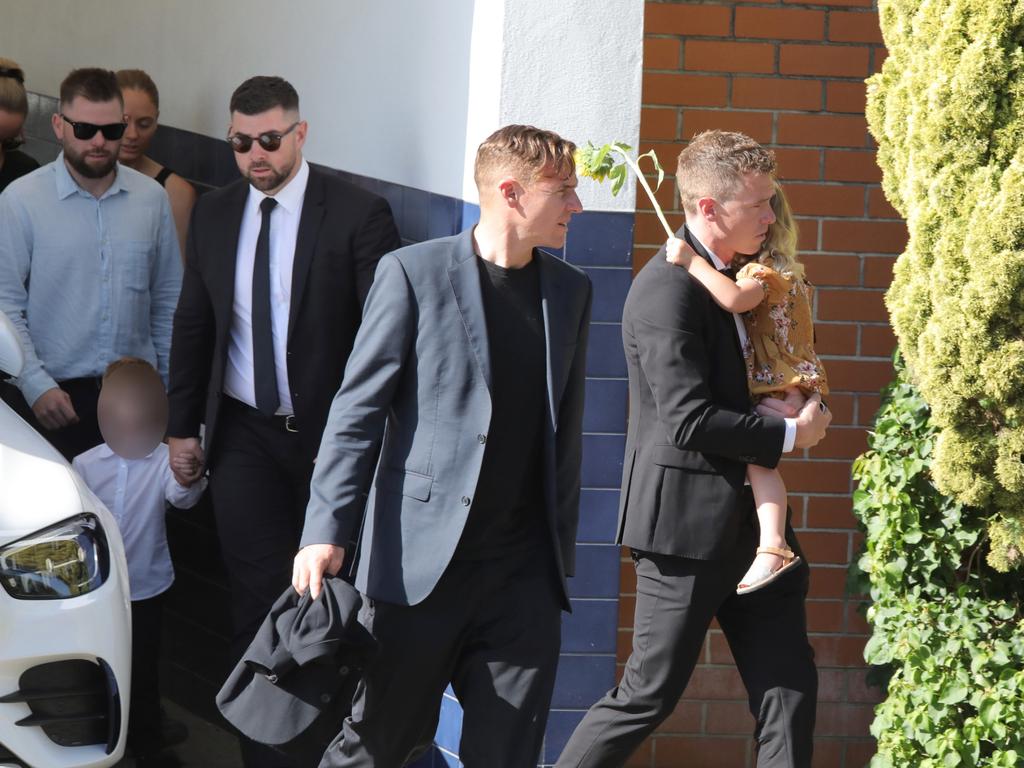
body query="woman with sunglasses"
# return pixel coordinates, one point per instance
(141, 110)
(13, 110)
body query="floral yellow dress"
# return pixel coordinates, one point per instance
(780, 335)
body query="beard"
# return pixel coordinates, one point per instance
(272, 181)
(79, 162)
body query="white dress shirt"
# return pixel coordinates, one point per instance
(741, 331)
(136, 492)
(284, 230)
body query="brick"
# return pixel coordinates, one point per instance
(798, 164)
(867, 408)
(831, 684)
(826, 199)
(877, 341)
(700, 751)
(627, 580)
(879, 207)
(827, 547)
(715, 683)
(688, 90)
(824, 60)
(642, 757)
(726, 717)
(864, 236)
(666, 195)
(854, 27)
(823, 615)
(859, 375)
(830, 511)
(780, 24)
(844, 719)
(838, 650)
(832, 269)
(714, 56)
(835, 339)
(844, 304)
(807, 235)
(827, 582)
(641, 255)
(842, 409)
(858, 689)
(662, 53)
(859, 753)
(856, 621)
(865, 3)
(627, 605)
(687, 717)
(757, 125)
(648, 230)
(879, 55)
(878, 271)
(689, 20)
(852, 166)
(659, 123)
(816, 476)
(823, 131)
(623, 645)
(828, 753)
(841, 96)
(776, 93)
(840, 442)
(718, 651)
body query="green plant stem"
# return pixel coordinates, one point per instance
(647, 188)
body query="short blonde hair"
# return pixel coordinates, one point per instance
(13, 98)
(713, 165)
(525, 152)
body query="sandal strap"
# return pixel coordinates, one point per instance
(780, 551)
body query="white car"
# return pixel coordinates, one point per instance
(65, 615)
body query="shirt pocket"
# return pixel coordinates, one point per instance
(131, 261)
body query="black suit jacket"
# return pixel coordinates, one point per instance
(691, 429)
(343, 232)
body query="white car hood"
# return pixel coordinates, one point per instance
(37, 486)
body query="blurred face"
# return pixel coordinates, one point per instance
(95, 157)
(132, 412)
(741, 224)
(547, 204)
(269, 170)
(11, 124)
(141, 114)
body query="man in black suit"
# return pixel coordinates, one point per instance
(685, 511)
(277, 267)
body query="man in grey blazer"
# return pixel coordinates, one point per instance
(466, 382)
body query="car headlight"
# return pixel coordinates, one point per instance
(66, 560)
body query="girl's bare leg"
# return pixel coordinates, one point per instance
(771, 498)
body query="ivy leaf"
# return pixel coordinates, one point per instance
(954, 693)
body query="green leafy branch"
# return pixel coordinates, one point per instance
(598, 163)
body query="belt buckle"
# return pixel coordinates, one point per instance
(289, 423)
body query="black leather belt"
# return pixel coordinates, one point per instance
(286, 422)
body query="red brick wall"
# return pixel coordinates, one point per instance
(791, 75)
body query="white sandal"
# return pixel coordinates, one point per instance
(765, 576)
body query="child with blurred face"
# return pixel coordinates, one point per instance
(130, 474)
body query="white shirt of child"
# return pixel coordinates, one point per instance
(136, 492)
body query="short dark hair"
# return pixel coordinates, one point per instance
(260, 93)
(92, 84)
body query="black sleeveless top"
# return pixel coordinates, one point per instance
(161, 178)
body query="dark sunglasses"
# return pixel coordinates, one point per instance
(11, 144)
(269, 140)
(85, 131)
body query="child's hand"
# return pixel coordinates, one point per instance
(678, 252)
(186, 465)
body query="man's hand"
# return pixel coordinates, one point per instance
(312, 563)
(186, 459)
(54, 410)
(811, 422)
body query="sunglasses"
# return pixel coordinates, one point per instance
(85, 131)
(11, 144)
(269, 140)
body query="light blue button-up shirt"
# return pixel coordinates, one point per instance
(85, 280)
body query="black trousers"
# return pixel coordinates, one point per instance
(74, 439)
(493, 629)
(766, 631)
(259, 483)
(144, 713)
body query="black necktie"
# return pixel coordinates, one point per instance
(264, 375)
(729, 272)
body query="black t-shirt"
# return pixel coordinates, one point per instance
(507, 515)
(15, 165)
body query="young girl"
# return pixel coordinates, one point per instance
(775, 300)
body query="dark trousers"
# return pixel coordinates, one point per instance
(493, 629)
(259, 482)
(766, 631)
(76, 438)
(144, 712)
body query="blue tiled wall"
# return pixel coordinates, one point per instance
(601, 244)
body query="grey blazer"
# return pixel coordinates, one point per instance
(416, 393)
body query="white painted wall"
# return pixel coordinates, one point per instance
(401, 90)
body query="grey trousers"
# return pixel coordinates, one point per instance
(766, 631)
(493, 629)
